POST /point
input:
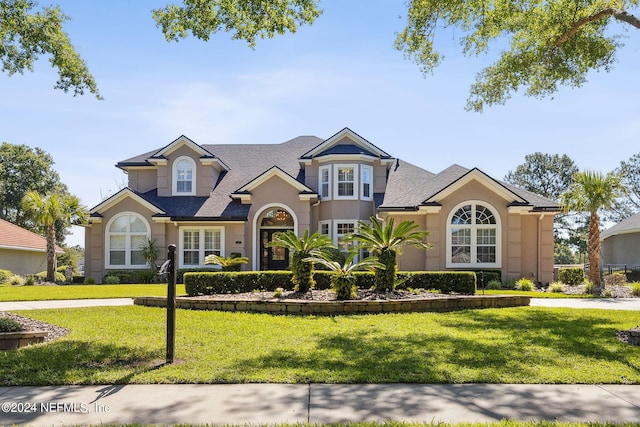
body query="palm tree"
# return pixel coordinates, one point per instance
(301, 248)
(47, 211)
(591, 191)
(343, 282)
(150, 252)
(386, 243)
(231, 263)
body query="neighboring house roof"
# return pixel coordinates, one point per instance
(18, 238)
(246, 166)
(628, 225)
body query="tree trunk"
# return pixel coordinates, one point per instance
(51, 253)
(594, 248)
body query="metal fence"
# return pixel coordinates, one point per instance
(631, 271)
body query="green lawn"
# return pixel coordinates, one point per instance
(37, 293)
(532, 294)
(513, 345)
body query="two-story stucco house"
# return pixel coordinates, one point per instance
(232, 198)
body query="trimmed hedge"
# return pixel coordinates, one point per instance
(571, 276)
(209, 283)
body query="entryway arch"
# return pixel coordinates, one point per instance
(269, 222)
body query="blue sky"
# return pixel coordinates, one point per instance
(342, 71)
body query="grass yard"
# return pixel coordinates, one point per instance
(513, 345)
(38, 293)
(532, 294)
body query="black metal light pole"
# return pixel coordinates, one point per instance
(171, 303)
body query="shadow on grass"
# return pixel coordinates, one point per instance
(75, 362)
(484, 346)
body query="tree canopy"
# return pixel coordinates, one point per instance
(551, 43)
(548, 175)
(24, 169)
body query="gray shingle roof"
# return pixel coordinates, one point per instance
(628, 225)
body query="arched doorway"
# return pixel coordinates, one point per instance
(272, 223)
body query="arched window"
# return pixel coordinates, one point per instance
(184, 172)
(126, 233)
(473, 236)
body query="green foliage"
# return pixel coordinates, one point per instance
(556, 287)
(150, 251)
(89, 281)
(9, 325)
(551, 43)
(386, 242)
(30, 280)
(244, 20)
(231, 263)
(494, 284)
(483, 277)
(615, 279)
(132, 276)
(344, 285)
(446, 282)
(111, 280)
(635, 289)
(57, 277)
(571, 276)
(590, 288)
(16, 280)
(590, 192)
(301, 248)
(209, 283)
(544, 174)
(29, 34)
(5, 275)
(524, 284)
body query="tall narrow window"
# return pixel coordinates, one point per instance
(473, 237)
(324, 182)
(342, 230)
(184, 176)
(126, 233)
(367, 173)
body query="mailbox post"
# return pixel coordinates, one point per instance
(171, 303)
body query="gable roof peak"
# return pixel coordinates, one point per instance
(359, 141)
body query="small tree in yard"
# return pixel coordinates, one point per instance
(49, 210)
(590, 192)
(301, 248)
(150, 252)
(386, 242)
(343, 282)
(226, 263)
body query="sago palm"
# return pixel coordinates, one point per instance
(300, 248)
(386, 243)
(343, 282)
(49, 210)
(591, 191)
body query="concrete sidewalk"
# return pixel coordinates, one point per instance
(315, 403)
(34, 305)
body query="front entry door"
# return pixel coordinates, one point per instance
(272, 258)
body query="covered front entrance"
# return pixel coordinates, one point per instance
(274, 222)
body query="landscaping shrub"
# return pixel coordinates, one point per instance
(635, 289)
(589, 287)
(509, 284)
(524, 285)
(571, 276)
(111, 280)
(494, 284)
(9, 325)
(615, 279)
(30, 280)
(89, 281)
(344, 285)
(483, 277)
(4, 276)
(207, 283)
(58, 277)
(16, 280)
(556, 287)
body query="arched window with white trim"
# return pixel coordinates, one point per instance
(126, 233)
(184, 176)
(473, 236)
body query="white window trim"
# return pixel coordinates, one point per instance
(364, 168)
(320, 182)
(201, 230)
(336, 183)
(127, 250)
(174, 177)
(474, 244)
(336, 222)
(328, 223)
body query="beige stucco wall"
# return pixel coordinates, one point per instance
(23, 262)
(142, 180)
(621, 249)
(206, 175)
